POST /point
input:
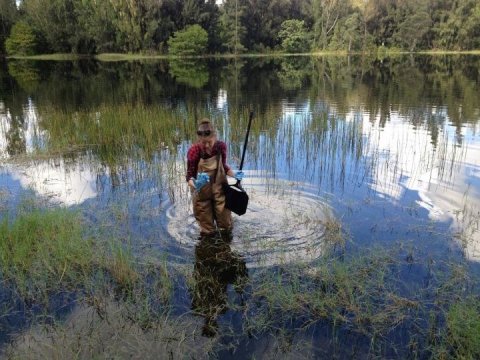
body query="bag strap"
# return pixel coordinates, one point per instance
(218, 162)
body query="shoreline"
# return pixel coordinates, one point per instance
(112, 57)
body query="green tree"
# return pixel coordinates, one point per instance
(8, 16)
(22, 40)
(412, 23)
(326, 13)
(53, 21)
(457, 25)
(262, 21)
(348, 34)
(192, 40)
(469, 31)
(293, 36)
(232, 30)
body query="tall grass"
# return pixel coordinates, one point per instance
(44, 250)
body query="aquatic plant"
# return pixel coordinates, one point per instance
(43, 250)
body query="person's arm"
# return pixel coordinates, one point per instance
(193, 157)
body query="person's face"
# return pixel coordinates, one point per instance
(206, 137)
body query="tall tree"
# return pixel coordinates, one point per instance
(232, 30)
(263, 20)
(52, 20)
(348, 34)
(325, 16)
(8, 16)
(413, 21)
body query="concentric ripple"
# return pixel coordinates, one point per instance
(282, 224)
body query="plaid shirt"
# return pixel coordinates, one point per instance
(196, 152)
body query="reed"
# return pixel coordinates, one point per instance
(43, 250)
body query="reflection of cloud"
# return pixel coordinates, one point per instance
(68, 184)
(443, 175)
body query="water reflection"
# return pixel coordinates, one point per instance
(216, 267)
(191, 72)
(285, 222)
(328, 132)
(57, 180)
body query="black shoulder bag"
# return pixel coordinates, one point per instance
(236, 198)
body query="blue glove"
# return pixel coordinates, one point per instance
(239, 175)
(202, 180)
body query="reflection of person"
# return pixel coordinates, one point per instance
(216, 266)
(206, 172)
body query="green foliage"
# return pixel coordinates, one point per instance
(232, 28)
(8, 16)
(348, 34)
(22, 40)
(237, 26)
(190, 41)
(463, 325)
(25, 73)
(262, 20)
(53, 21)
(294, 37)
(189, 72)
(413, 22)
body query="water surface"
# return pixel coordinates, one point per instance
(386, 150)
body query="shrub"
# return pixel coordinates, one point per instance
(293, 36)
(22, 40)
(192, 40)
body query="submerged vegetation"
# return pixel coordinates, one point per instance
(361, 296)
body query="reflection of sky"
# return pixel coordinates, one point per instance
(64, 183)
(397, 160)
(442, 175)
(68, 184)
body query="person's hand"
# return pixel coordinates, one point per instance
(191, 183)
(239, 175)
(202, 180)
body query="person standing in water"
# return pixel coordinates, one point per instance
(206, 172)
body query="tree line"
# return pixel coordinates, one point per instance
(235, 26)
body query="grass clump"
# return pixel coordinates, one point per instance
(44, 250)
(357, 294)
(121, 266)
(463, 329)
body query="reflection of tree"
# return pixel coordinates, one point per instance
(193, 73)
(25, 73)
(216, 266)
(294, 71)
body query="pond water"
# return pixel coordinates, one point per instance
(345, 152)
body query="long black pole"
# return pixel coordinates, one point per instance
(246, 139)
(246, 142)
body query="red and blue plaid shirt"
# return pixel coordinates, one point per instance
(197, 152)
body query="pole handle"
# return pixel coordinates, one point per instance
(246, 142)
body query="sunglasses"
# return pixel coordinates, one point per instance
(204, 133)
